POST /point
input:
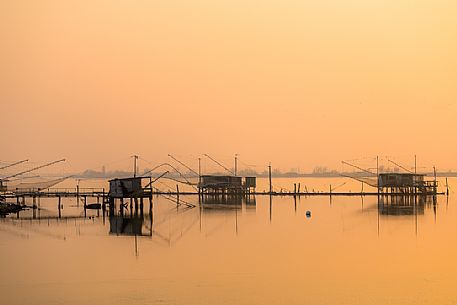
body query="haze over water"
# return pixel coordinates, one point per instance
(350, 251)
(295, 83)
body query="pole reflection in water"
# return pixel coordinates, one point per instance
(406, 205)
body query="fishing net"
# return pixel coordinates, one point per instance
(35, 186)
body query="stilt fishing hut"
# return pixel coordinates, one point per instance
(395, 183)
(225, 189)
(406, 183)
(226, 185)
(134, 188)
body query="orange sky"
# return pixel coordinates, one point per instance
(297, 83)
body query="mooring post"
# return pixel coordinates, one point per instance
(60, 213)
(98, 209)
(447, 188)
(295, 204)
(269, 178)
(77, 195)
(177, 193)
(295, 189)
(299, 188)
(103, 203)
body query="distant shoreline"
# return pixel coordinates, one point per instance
(120, 174)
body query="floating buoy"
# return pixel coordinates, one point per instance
(308, 214)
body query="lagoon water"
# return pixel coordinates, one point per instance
(351, 250)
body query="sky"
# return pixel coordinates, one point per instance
(295, 83)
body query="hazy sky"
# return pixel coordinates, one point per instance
(297, 83)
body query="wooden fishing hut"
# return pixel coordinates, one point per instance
(219, 184)
(222, 189)
(135, 189)
(406, 183)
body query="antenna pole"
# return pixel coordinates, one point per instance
(236, 159)
(377, 172)
(135, 158)
(199, 169)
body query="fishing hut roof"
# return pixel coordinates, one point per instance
(400, 180)
(220, 181)
(402, 174)
(129, 178)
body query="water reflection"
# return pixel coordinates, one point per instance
(404, 205)
(121, 225)
(209, 201)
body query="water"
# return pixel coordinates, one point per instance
(348, 252)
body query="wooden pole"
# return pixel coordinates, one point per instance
(199, 177)
(434, 183)
(177, 193)
(269, 178)
(377, 173)
(236, 161)
(85, 206)
(135, 158)
(60, 215)
(77, 194)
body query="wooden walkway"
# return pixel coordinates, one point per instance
(101, 193)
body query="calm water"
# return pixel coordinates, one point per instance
(350, 251)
